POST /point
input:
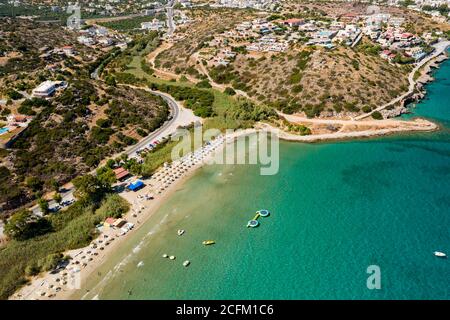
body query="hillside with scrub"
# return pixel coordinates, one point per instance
(71, 133)
(317, 82)
(206, 23)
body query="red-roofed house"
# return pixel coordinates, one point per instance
(68, 50)
(406, 36)
(109, 222)
(293, 22)
(121, 173)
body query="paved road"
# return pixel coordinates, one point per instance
(164, 130)
(175, 111)
(170, 23)
(439, 47)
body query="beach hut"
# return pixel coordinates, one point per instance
(109, 222)
(119, 223)
(121, 173)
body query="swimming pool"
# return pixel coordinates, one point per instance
(4, 130)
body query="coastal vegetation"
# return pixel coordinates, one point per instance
(222, 109)
(81, 125)
(296, 128)
(131, 23)
(38, 243)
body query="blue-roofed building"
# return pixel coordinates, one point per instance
(135, 186)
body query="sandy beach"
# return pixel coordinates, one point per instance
(144, 202)
(349, 129)
(168, 180)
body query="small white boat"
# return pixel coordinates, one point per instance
(165, 255)
(440, 254)
(172, 257)
(180, 232)
(186, 263)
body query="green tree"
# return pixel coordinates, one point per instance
(33, 183)
(54, 184)
(86, 186)
(110, 163)
(111, 81)
(57, 197)
(43, 205)
(13, 94)
(377, 116)
(106, 177)
(229, 91)
(24, 225)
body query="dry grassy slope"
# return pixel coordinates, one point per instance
(207, 24)
(331, 80)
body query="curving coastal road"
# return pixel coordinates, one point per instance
(179, 117)
(439, 47)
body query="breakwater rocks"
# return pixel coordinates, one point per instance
(395, 112)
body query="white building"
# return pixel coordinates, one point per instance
(47, 88)
(85, 40)
(155, 24)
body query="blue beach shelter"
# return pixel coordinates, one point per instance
(135, 185)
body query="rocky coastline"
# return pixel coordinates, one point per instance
(420, 89)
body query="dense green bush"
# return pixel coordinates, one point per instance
(200, 101)
(229, 91)
(203, 84)
(377, 115)
(24, 225)
(101, 135)
(13, 94)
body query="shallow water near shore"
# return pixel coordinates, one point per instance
(336, 208)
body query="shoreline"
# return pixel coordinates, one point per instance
(37, 284)
(386, 127)
(415, 125)
(424, 67)
(31, 291)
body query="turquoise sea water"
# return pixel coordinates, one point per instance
(336, 208)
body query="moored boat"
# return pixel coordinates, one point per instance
(180, 232)
(440, 254)
(208, 242)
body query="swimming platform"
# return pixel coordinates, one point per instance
(254, 222)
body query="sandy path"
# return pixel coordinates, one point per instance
(376, 129)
